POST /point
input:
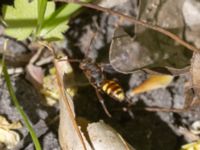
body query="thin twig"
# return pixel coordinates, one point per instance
(135, 21)
(161, 109)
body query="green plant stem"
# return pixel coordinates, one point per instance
(42, 4)
(17, 105)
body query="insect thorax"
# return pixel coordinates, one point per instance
(93, 72)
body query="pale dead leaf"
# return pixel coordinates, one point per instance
(70, 136)
(195, 127)
(195, 71)
(8, 137)
(4, 124)
(35, 75)
(104, 137)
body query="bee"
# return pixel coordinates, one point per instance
(97, 79)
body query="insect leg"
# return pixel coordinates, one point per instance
(129, 110)
(101, 100)
(128, 107)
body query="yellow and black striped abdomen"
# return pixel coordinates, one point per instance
(113, 89)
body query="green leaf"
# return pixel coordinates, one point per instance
(20, 18)
(42, 4)
(57, 23)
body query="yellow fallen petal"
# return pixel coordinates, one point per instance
(152, 83)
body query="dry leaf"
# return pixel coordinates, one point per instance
(104, 137)
(195, 127)
(7, 126)
(70, 136)
(8, 137)
(195, 71)
(151, 49)
(35, 75)
(152, 83)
